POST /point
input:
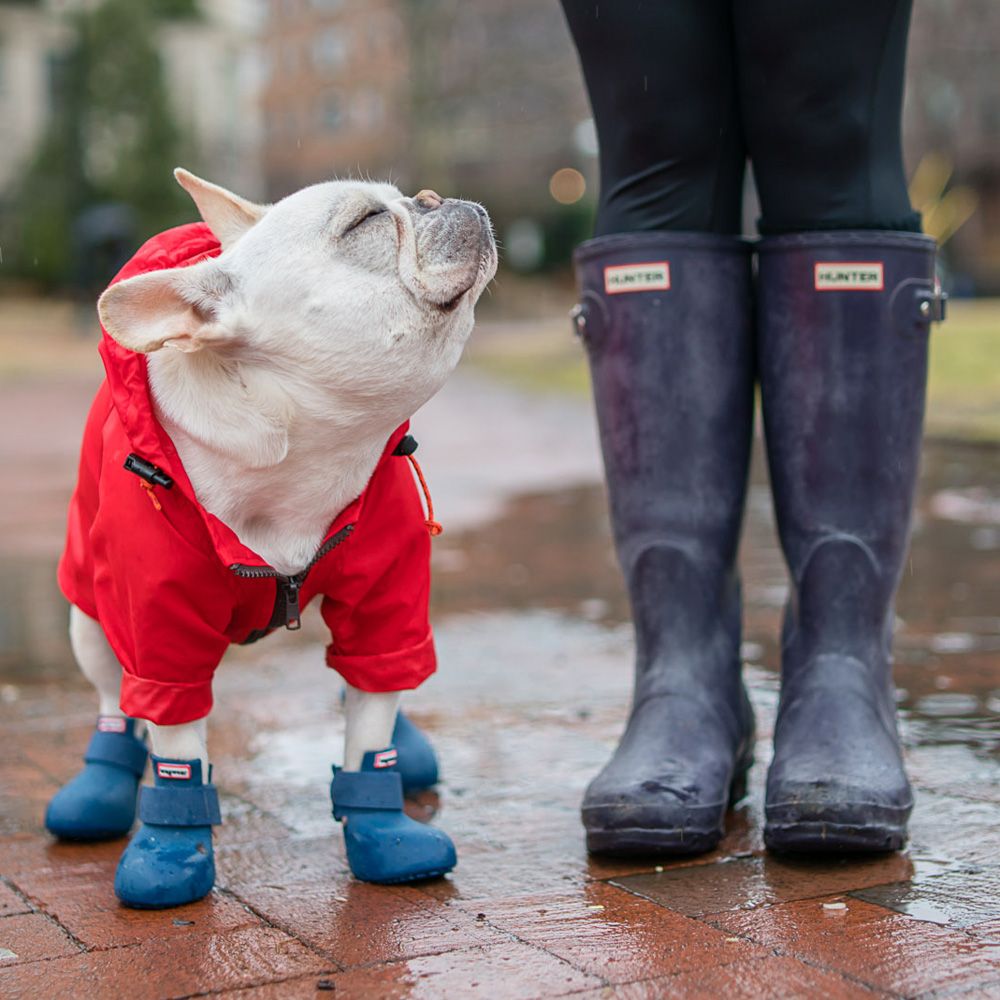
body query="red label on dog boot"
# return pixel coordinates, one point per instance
(637, 277)
(179, 772)
(849, 276)
(384, 758)
(111, 724)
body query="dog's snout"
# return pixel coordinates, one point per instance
(428, 200)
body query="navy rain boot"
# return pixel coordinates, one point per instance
(666, 319)
(417, 761)
(383, 843)
(170, 860)
(99, 803)
(843, 324)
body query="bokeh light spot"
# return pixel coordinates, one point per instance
(567, 186)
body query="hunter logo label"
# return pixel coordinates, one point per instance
(385, 758)
(849, 276)
(111, 724)
(637, 277)
(180, 772)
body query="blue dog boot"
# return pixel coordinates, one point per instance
(417, 762)
(170, 861)
(383, 843)
(99, 803)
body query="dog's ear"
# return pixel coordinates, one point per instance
(228, 215)
(173, 308)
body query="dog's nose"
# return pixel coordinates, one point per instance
(428, 200)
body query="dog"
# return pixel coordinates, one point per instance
(247, 452)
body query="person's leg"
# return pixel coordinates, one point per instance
(845, 297)
(821, 92)
(665, 317)
(661, 81)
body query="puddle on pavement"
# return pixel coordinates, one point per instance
(954, 893)
(541, 581)
(553, 552)
(549, 558)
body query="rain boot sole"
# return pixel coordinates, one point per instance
(639, 842)
(846, 829)
(834, 838)
(675, 840)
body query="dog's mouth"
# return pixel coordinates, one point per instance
(487, 258)
(452, 304)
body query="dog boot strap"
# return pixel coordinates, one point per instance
(353, 790)
(194, 805)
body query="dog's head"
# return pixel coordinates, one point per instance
(344, 291)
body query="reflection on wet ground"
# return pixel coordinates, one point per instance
(535, 653)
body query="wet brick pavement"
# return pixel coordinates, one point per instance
(531, 693)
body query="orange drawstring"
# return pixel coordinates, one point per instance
(434, 527)
(148, 487)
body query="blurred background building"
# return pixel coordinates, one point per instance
(483, 98)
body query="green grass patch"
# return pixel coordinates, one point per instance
(964, 385)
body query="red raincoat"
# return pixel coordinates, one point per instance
(173, 586)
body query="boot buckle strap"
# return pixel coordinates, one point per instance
(933, 307)
(193, 805)
(915, 304)
(352, 790)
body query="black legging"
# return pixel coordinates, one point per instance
(684, 91)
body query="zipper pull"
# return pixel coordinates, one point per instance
(293, 620)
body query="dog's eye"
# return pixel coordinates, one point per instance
(371, 213)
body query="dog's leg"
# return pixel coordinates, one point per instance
(101, 667)
(370, 719)
(170, 860)
(99, 803)
(188, 741)
(383, 843)
(97, 661)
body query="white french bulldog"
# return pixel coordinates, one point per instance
(279, 369)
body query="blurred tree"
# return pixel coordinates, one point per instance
(177, 9)
(111, 137)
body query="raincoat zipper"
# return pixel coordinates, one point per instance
(286, 603)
